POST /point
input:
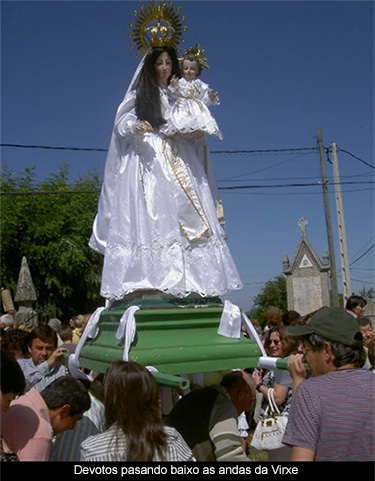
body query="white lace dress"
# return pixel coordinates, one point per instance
(190, 111)
(156, 223)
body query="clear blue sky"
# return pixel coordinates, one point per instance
(282, 69)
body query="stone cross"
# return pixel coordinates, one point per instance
(302, 223)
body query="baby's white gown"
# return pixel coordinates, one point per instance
(156, 223)
(189, 112)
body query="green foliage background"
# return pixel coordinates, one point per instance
(272, 294)
(50, 224)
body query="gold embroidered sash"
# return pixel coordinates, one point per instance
(192, 218)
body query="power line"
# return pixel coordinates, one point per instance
(93, 149)
(279, 194)
(231, 187)
(262, 151)
(364, 270)
(300, 150)
(364, 282)
(235, 187)
(50, 147)
(364, 246)
(227, 188)
(362, 255)
(222, 152)
(267, 179)
(268, 167)
(355, 157)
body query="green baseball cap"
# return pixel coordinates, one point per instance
(332, 323)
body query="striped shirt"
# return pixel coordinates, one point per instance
(333, 415)
(208, 421)
(40, 376)
(111, 445)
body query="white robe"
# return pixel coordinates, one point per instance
(190, 112)
(156, 223)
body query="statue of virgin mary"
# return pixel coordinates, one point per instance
(156, 224)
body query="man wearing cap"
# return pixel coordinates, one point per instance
(332, 412)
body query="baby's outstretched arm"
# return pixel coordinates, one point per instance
(174, 81)
(213, 96)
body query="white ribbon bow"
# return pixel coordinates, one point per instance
(127, 329)
(230, 324)
(89, 331)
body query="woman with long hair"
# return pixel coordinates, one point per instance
(277, 343)
(134, 427)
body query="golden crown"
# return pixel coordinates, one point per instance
(156, 25)
(198, 52)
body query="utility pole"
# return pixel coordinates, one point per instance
(334, 290)
(344, 258)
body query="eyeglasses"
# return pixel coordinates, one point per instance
(305, 349)
(276, 342)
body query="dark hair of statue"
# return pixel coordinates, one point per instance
(132, 403)
(148, 106)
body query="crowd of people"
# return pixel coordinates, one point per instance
(47, 400)
(48, 415)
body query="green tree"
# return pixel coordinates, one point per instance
(50, 224)
(274, 294)
(369, 293)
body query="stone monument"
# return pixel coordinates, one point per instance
(307, 277)
(25, 296)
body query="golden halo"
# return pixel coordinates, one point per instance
(158, 24)
(198, 52)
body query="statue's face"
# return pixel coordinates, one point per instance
(189, 69)
(163, 69)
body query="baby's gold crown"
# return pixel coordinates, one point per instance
(198, 52)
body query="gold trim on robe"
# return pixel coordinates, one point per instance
(192, 218)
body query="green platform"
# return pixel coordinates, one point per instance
(172, 337)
